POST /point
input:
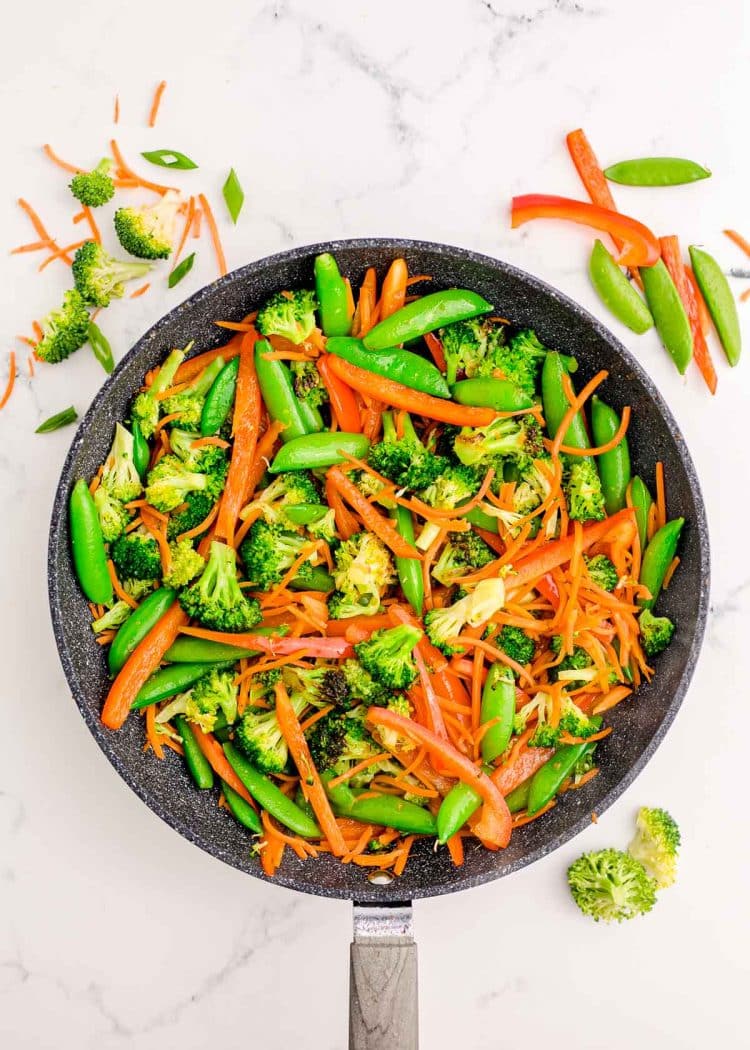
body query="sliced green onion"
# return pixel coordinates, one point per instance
(169, 158)
(60, 419)
(179, 271)
(100, 345)
(234, 195)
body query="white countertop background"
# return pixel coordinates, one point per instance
(348, 120)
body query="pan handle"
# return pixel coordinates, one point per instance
(383, 980)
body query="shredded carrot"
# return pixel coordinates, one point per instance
(197, 224)
(739, 240)
(152, 735)
(154, 111)
(599, 450)
(11, 379)
(524, 818)
(125, 172)
(119, 591)
(456, 850)
(670, 572)
(235, 326)
(30, 366)
(140, 291)
(116, 110)
(158, 530)
(575, 406)
(358, 768)
(213, 229)
(61, 253)
(661, 507)
(611, 699)
(745, 295)
(33, 246)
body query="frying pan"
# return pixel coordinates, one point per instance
(383, 955)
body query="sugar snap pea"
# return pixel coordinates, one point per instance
(137, 626)
(641, 499)
(197, 763)
(658, 557)
(87, 543)
(614, 466)
(312, 451)
(333, 301)
(547, 780)
(386, 810)
(267, 795)
(220, 398)
(719, 300)
(425, 315)
(241, 810)
(171, 680)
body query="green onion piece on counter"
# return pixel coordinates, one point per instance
(101, 347)
(169, 158)
(60, 419)
(234, 195)
(182, 270)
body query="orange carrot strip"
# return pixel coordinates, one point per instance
(246, 422)
(359, 768)
(611, 699)
(575, 406)
(263, 456)
(194, 366)
(739, 240)
(235, 326)
(60, 253)
(601, 449)
(127, 172)
(436, 350)
(218, 761)
(456, 850)
(670, 572)
(672, 256)
(118, 589)
(30, 365)
(154, 111)
(704, 315)
(310, 778)
(72, 168)
(141, 663)
(589, 171)
(343, 401)
(11, 379)
(33, 246)
(152, 735)
(383, 528)
(394, 288)
(744, 297)
(661, 506)
(197, 224)
(116, 111)
(140, 291)
(213, 229)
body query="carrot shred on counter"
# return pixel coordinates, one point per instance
(154, 111)
(116, 110)
(61, 253)
(214, 231)
(140, 291)
(189, 215)
(739, 240)
(11, 379)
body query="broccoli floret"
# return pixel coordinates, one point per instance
(487, 598)
(611, 885)
(147, 232)
(308, 385)
(539, 707)
(362, 686)
(520, 362)
(113, 618)
(583, 489)
(189, 402)
(257, 734)
(339, 741)
(215, 599)
(145, 407)
(289, 314)
(198, 506)
(169, 482)
(469, 347)
(94, 188)
(120, 477)
(367, 484)
(517, 437)
(656, 632)
(577, 661)
(454, 486)
(517, 644)
(321, 685)
(464, 553)
(214, 693)
(324, 528)
(113, 517)
(207, 459)
(390, 738)
(575, 722)
(64, 330)
(186, 564)
(602, 572)
(136, 556)
(99, 277)
(364, 569)
(286, 490)
(268, 551)
(405, 460)
(656, 844)
(387, 655)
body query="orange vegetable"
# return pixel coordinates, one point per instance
(154, 111)
(670, 253)
(218, 761)
(343, 401)
(394, 288)
(246, 422)
(383, 528)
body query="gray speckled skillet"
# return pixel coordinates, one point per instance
(639, 726)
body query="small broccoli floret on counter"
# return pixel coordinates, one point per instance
(113, 517)
(94, 188)
(474, 609)
(258, 736)
(99, 277)
(364, 569)
(583, 489)
(516, 643)
(464, 553)
(148, 231)
(215, 599)
(136, 556)
(64, 330)
(213, 694)
(288, 314)
(656, 632)
(146, 407)
(601, 571)
(656, 844)
(120, 477)
(611, 885)
(187, 563)
(388, 655)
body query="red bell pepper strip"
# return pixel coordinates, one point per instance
(245, 427)
(639, 246)
(326, 648)
(670, 253)
(343, 401)
(507, 778)
(549, 590)
(496, 819)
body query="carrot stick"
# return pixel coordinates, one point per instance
(346, 523)
(383, 528)
(310, 778)
(140, 291)
(399, 396)
(33, 246)
(218, 761)
(116, 111)
(194, 366)
(11, 379)
(343, 401)
(263, 455)
(246, 421)
(141, 663)
(508, 777)
(670, 253)
(213, 229)
(394, 288)
(154, 111)
(436, 350)
(118, 588)
(39, 226)
(72, 168)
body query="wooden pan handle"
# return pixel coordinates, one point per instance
(383, 980)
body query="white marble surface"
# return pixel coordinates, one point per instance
(114, 932)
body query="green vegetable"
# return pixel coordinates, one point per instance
(518, 798)
(517, 437)
(64, 330)
(482, 520)
(211, 697)
(60, 419)
(602, 571)
(364, 569)
(425, 315)
(387, 655)
(187, 563)
(148, 231)
(443, 625)
(463, 554)
(170, 481)
(488, 392)
(306, 513)
(267, 795)
(171, 680)
(387, 811)
(720, 302)
(137, 626)
(656, 844)
(657, 559)
(241, 810)
(312, 451)
(99, 277)
(405, 460)
(215, 599)
(101, 348)
(190, 401)
(197, 763)
(656, 632)
(169, 158)
(641, 499)
(288, 314)
(547, 781)
(616, 291)
(219, 399)
(94, 188)
(333, 299)
(145, 408)
(409, 569)
(181, 270)
(120, 476)
(614, 466)
(499, 707)
(201, 650)
(656, 171)
(611, 885)
(455, 809)
(278, 394)
(234, 195)
(113, 517)
(669, 314)
(402, 366)
(136, 556)
(268, 551)
(87, 543)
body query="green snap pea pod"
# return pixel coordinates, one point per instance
(187, 650)
(455, 809)
(267, 795)
(223, 733)
(278, 393)
(641, 499)
(616, 291)
(498, 706)
(548, 780)
(409, 569)
(657, 559)
(656, 171)
(87, 542)
(173, 679)
(402, 366)
(488, 392)
(668, 313)
(333, 300)
(386, 810)
(137, 626)
(477, 516)
(101, 348)
(306, 513)
(556, 404)
(220, 398)
(614, 466)
(719, 300)
(316, 580)
(311, 417)
(518, 798)
(425, 315)
(197, 763)
(141, 451)
(241, 810)
(318, 450)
